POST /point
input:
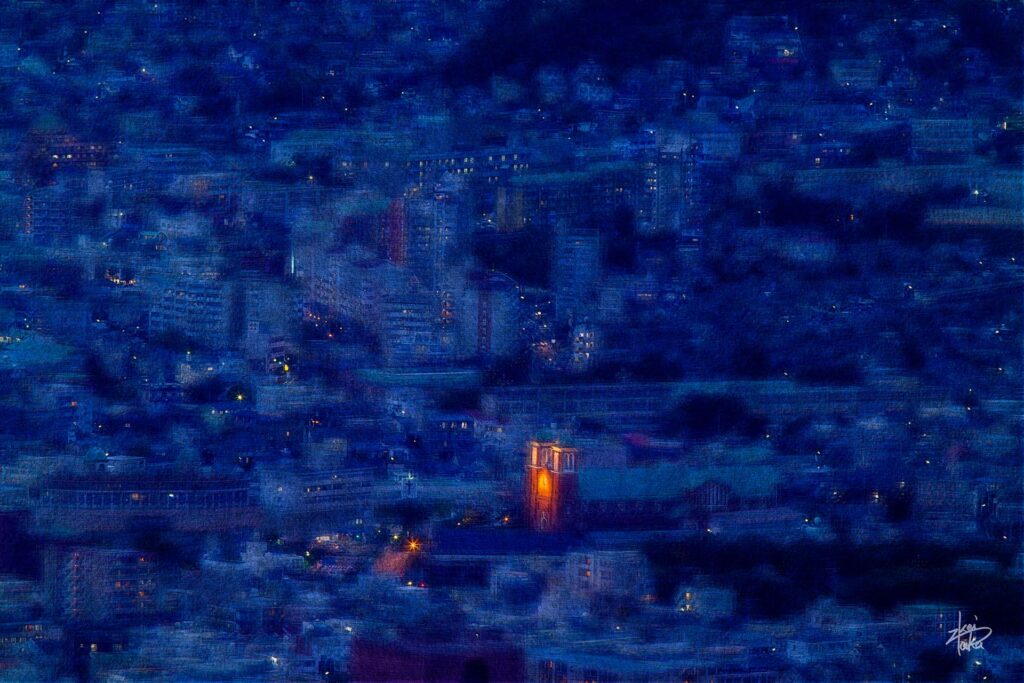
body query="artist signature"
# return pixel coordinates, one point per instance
(965, 635)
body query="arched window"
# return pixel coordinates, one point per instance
(544, 484)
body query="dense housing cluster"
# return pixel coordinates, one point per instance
(543, 340)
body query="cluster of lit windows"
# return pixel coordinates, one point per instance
(147, 498)
(29, 632)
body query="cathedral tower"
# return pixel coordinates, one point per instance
(551, 485)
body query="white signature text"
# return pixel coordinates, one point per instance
(966, 636)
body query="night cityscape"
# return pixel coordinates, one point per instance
(478, 341)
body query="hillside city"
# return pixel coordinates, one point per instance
(542, 340)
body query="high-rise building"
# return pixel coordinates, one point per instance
(433, 225)
(100, 585)
(394, 237)
(584, 346)
(678, 196)
(488, 315)
(576, 270)
(199, 307)
(411, 330)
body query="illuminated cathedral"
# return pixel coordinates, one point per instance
(551, 486)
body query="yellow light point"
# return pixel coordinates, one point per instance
(286, 368)
(414, 545)
(239, 397)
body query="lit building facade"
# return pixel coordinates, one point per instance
(551, 481)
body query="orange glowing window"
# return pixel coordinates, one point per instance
(544, 484)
